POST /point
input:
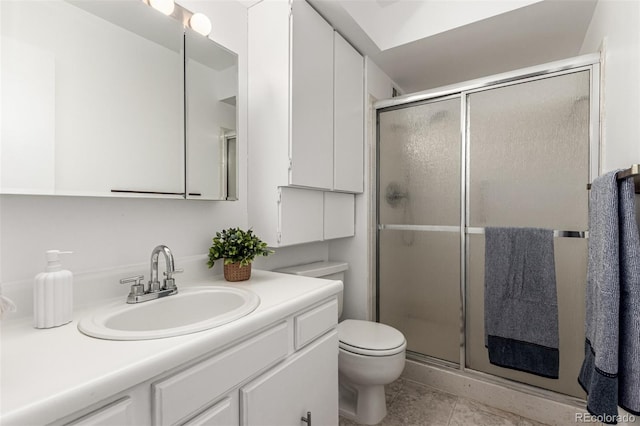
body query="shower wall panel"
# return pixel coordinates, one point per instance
(419, 216)
(420, 290)
(528, 146)
(419, 164)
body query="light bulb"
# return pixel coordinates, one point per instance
(200, 23)
(164, 6)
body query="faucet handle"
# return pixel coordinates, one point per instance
(169, 274)
(169, 283)
(137, 287)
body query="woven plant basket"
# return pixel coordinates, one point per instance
(235, 272)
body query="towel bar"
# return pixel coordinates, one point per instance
(633, 171)
(434, 228)
(556, 233)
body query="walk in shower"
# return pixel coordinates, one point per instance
(515, 150)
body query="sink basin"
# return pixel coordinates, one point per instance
(193, 309)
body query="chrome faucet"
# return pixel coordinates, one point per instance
(169, 282)
(155, 290)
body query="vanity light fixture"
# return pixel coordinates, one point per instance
(164, 6)
(200, 23)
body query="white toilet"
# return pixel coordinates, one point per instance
(371, 355)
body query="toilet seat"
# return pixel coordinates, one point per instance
(370, 338)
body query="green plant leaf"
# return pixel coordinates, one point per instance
(236, 245)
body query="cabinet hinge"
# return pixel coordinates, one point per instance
(290, 163)
(279, 196)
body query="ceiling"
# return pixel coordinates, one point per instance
(423, 44)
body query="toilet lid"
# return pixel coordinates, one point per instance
(370, 338)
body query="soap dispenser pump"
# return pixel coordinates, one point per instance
(53, 294)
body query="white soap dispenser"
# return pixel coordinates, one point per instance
(53, 294)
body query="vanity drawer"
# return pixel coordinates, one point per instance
(224, 413)
(116, 413)
(315, 322)
(187, 392)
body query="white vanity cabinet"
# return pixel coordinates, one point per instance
(279, 397)
(183, 394)
(131, 407)
(293, 368)
(223, 413)
(306, 383)
(282, 356)
(273, 378)
(116, 413)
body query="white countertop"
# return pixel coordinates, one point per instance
(46, 374)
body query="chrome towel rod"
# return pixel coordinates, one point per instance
(633, 171)
(556, 233)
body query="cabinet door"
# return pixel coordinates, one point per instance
(184, 394)
(311, 145)
(339, 215)
(299, 216)
(306, 382)
(348, 161)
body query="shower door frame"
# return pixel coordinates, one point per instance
(462, 90)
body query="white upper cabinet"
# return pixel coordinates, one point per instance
(349, 117)
(305, 124)
(339, 215)
(300, 216)
(311, 147)
(306, 101)
(290, 95)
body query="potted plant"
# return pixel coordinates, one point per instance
(238, 248)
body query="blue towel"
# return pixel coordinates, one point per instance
(521, 306)
(610, 373)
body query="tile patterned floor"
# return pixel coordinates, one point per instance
(413, 404)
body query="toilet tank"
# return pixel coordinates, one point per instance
(326, 270)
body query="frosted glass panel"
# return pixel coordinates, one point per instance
(529, 151)
(419, 279)
(419, 170)
(571, 267)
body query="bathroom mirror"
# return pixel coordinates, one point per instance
(93, 102)
(211, 87)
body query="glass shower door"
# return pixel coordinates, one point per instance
(528, 166)
(419, 241)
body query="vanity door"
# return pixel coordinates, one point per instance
(306, 382)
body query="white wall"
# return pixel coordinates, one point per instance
(111, 232)
(616, 22)
(359, 294)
